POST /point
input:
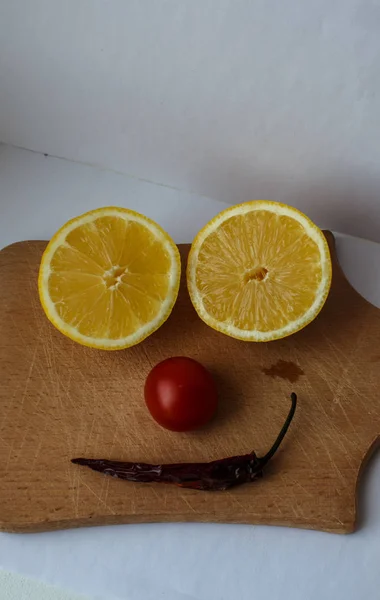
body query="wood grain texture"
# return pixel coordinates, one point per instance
(59, 400)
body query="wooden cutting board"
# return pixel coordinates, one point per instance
(59, 400)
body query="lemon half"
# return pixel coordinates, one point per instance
(109, 278)
(259, 271)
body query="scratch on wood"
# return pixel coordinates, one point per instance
(186, 501)
(27, 380)
(103, 502)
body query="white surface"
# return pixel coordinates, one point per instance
(17, 587)
(234, 99)
(188, 561)
(38, 194)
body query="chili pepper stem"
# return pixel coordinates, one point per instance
(266, 458)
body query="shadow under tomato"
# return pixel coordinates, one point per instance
(230, 399)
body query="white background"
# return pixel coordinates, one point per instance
(232, 99)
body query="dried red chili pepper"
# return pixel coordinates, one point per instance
(217, 475)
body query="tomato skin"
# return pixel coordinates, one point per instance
(180, 394)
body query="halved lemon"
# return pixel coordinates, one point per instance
(109, 278)
(259, 271)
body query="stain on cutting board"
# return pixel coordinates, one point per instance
(285, 369)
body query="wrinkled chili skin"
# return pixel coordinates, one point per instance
(214, 476)
(217, 475)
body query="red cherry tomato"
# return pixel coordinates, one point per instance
(180, 394)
